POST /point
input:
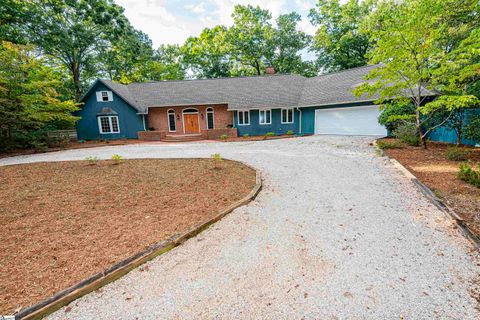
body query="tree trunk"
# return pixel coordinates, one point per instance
(423, 141)
(459, 137)
(75, 69)
(257, 66)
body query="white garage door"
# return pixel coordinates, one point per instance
(361, 121)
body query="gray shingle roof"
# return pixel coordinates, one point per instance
(270, 91)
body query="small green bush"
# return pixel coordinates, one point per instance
(223, 137)
(457, 154)
(92, 160)
(270, 134)
(217, 159)
(469, 174)
(382, 144)
(246, 135)
(407, 133)
(117, 159)
(472, 130)
(289, 132)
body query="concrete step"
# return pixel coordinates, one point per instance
(183, 138)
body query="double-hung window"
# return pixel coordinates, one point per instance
(108, 124)
(243, 118)
(172, 125)
(210, 119)
(265, 117)
(287, 115)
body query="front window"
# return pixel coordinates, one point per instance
(210, 119)
(265, 117)
(243, 118)
(172, 126)
(108, 124)
(287, 115)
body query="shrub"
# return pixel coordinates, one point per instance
(457, 154)
(392, 110)
(407, 132)
(470, 175)
(472, 129)
(289, 132)
(223, 137)
(217, 159)
(246, 135)
(382, 144)
(269, 134)
(92, 160)
(117, 159)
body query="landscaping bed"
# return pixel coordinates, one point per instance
(65, 221)
(440, 175)
(71, 145)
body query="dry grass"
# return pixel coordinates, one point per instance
(63, 222)
(440, 175)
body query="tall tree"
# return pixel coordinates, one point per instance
(208, 55)
(289, 41)
(412, 44)
(251, 36)
(129, 58)
(167, 64)
(75, 31)
(338, 40)
(29, 99)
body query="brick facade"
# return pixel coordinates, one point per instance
(158, 120)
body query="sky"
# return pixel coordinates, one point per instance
(173, 21)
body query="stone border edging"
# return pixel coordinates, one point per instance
(64, 297)
(436, 201)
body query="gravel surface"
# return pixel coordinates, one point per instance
(336, 233)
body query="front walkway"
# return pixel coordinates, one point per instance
(336, 233)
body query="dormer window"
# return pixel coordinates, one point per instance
(104, 96)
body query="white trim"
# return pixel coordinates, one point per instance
(238, 117)
(143, 120)
(281, 116)
(190, 112)
(270, 118)
(206, 117)
(109, 123)
(174, 120)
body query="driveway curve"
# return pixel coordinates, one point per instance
(336, 233)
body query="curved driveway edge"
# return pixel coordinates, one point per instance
(337, 233)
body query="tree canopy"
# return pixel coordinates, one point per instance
(339, 41)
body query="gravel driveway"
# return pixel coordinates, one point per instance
(336, 233)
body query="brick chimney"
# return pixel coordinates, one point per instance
(270, 70)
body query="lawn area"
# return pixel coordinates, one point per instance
(65, 221)
(440, 175)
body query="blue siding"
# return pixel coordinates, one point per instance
(308, 115)
(257, 129)
(129, 121)
(443, 134)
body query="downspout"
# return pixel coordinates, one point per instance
(143, 119)
(300, 121)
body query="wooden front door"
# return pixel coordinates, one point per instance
(190, 121)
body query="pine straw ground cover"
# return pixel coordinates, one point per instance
(65, 221)
(440, 175)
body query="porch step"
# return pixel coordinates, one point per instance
(182, 138)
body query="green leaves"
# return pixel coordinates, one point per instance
(339, 42)
(29, 98)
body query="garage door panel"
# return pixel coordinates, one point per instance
(349, 121)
